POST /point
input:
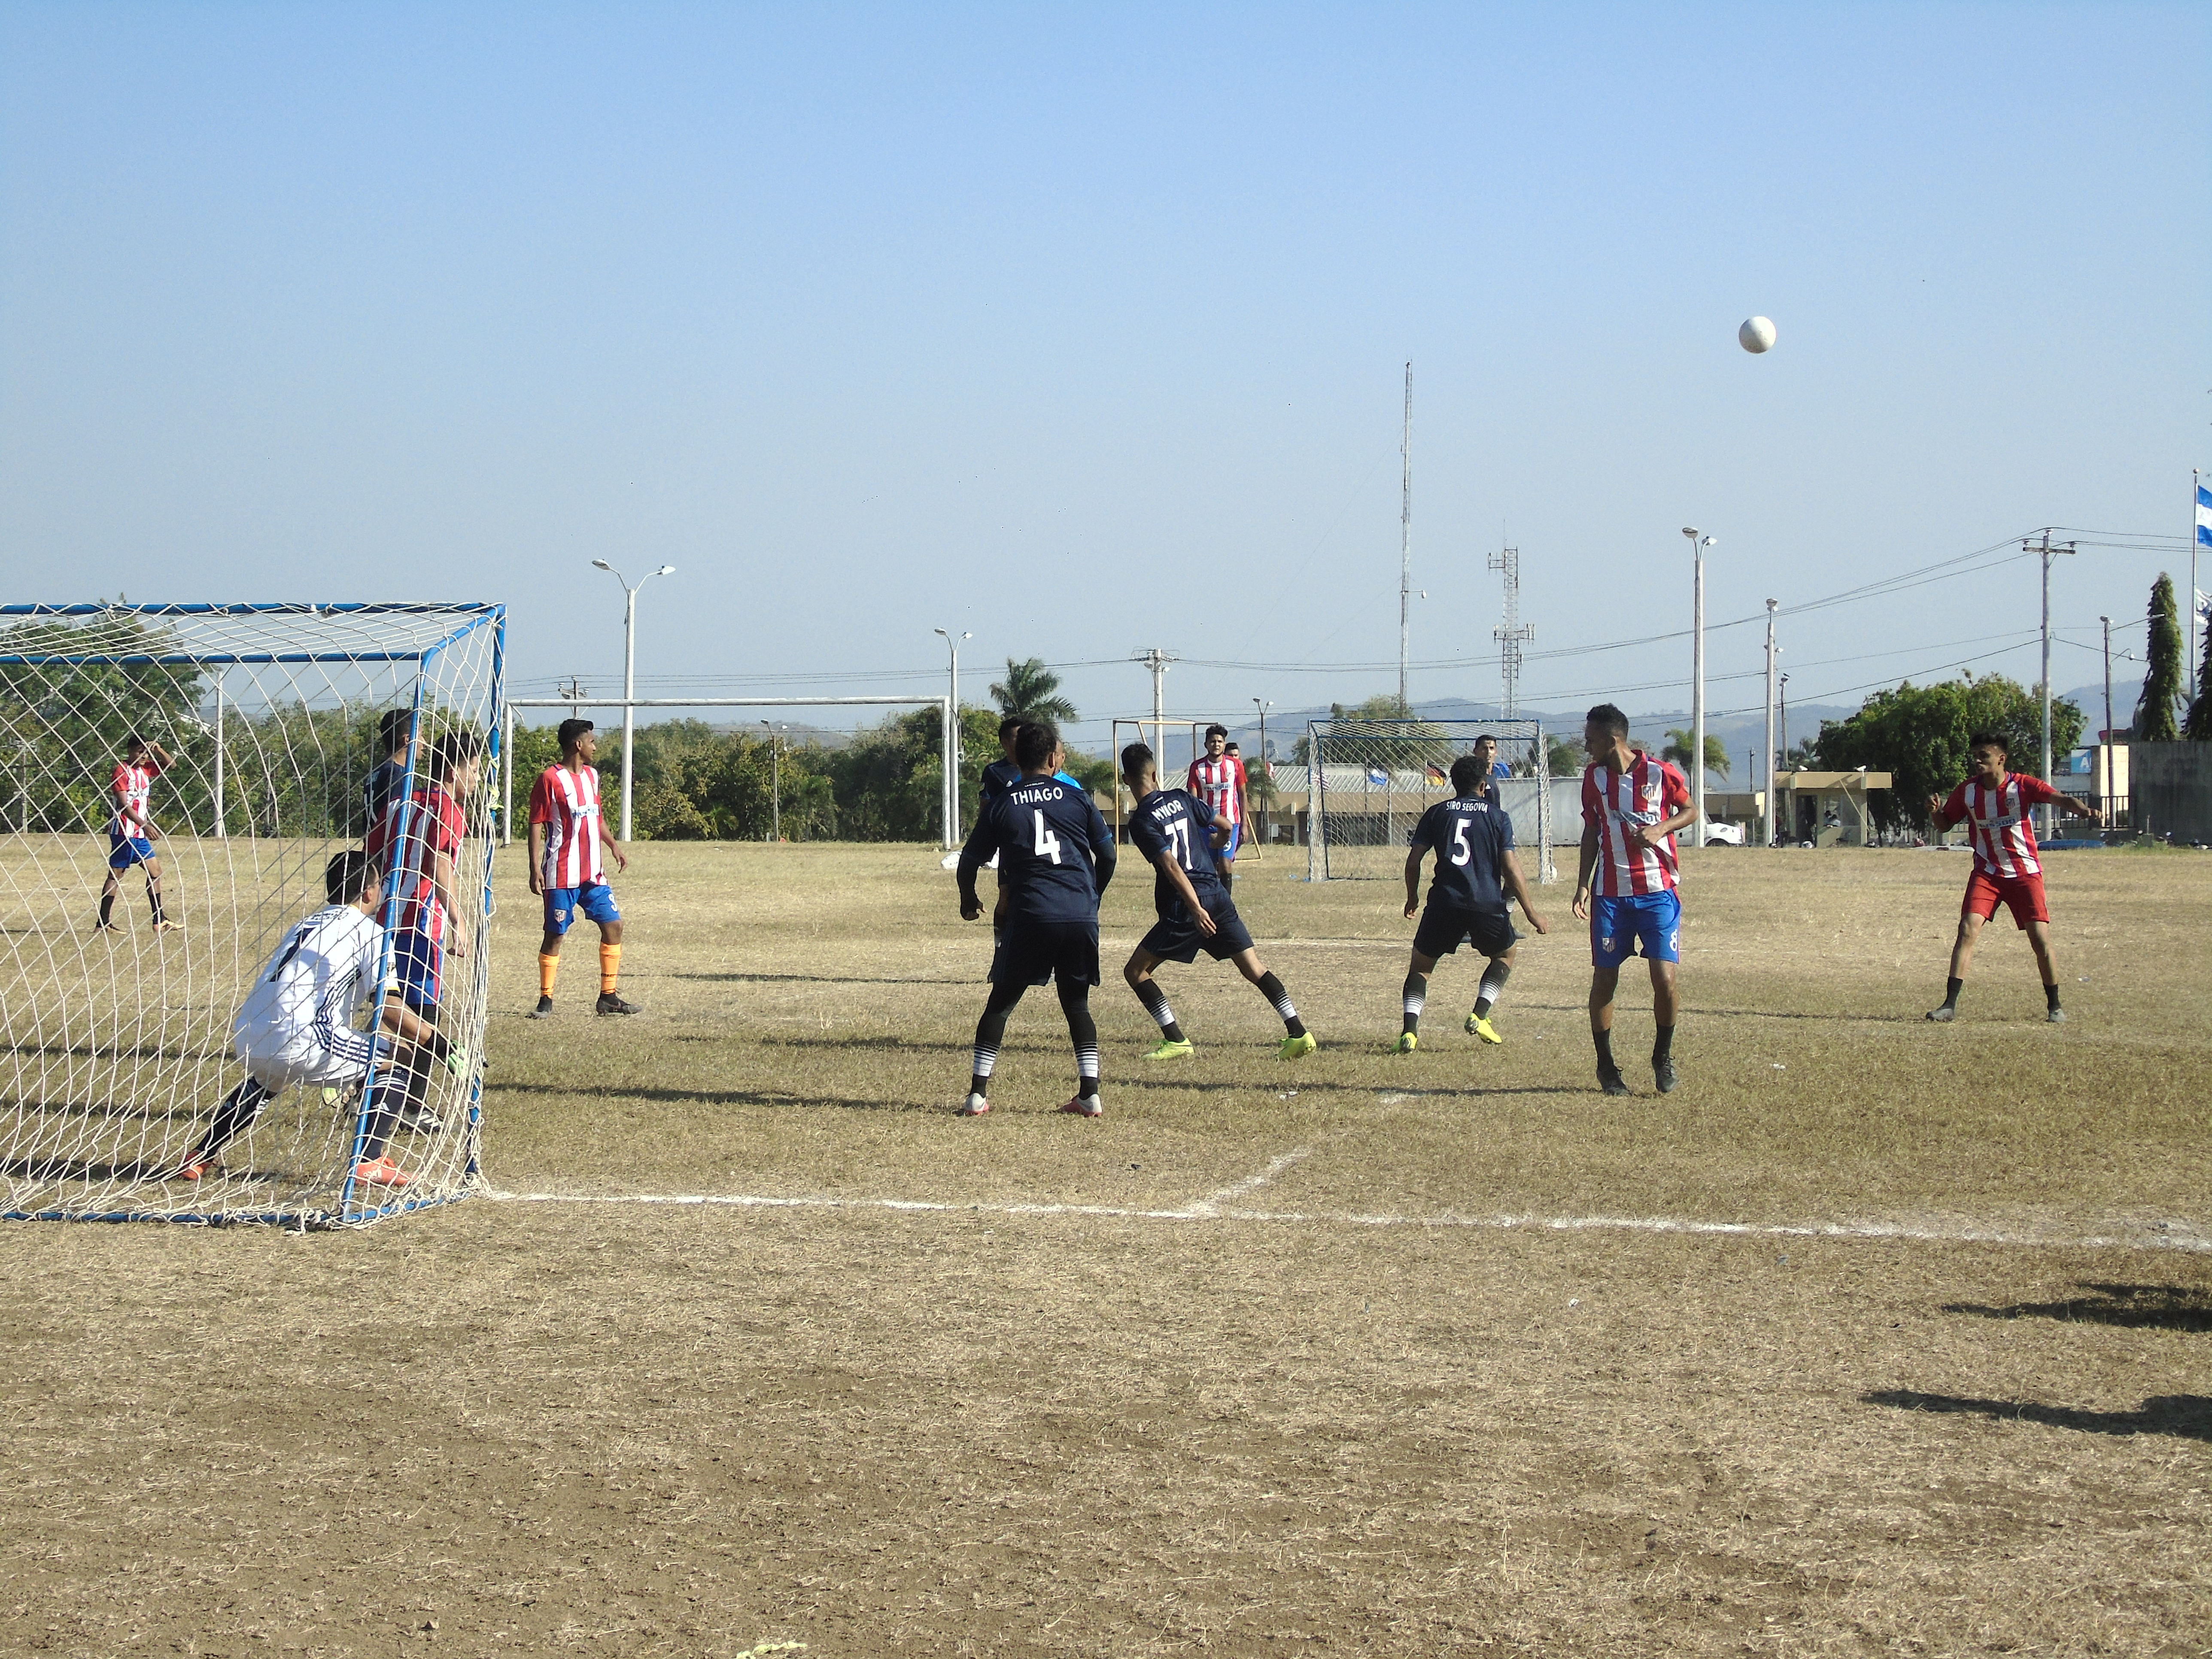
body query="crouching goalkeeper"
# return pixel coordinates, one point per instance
(296, 1029)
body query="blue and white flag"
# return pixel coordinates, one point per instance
(2204, 516)
(1378, 777)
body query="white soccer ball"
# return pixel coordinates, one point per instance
(1757, 334)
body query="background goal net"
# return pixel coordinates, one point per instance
(118, 1041)
(1369, 781)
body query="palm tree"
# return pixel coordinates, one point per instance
(1030, 692)
(1678, 751)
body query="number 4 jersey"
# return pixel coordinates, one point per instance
(1471, 838)
(1048, 837)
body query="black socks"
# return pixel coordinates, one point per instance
(1494, 986)
(1156, 1004)
(107, 909)
(1280, 1000)
(1951, 990)
(1417, 997)
(1604, 1041)
(153, 902)
(1662, 1048)
(1082, 1031)
(2050, 998)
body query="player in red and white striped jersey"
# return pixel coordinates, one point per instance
(1633, 805)
(567, 831)
(131, 830)
(1995, 802)
(1217, 777)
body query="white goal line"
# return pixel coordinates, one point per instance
(2173, 1235)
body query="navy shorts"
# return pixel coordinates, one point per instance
(1175, 937)
(594, 899)
(1619, 925)
(1031, 952)
(124, 851)
(1443, 930)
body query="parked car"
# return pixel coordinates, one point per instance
(1723, 835)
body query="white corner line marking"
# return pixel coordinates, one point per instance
(2189, 1241)
(1208, 1208)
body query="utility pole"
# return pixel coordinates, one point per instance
(2105, 783)
(1768, 770)
(774, 786)
(1509, 637)
(629, 672)
(951, 739)
(1157, 661)
(1697, 679)
(1781, 701)
(1406, 548)
(2048, 551)
(575, 694)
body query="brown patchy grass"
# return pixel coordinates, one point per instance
(1277, 1426)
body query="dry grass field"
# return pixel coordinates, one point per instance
(1876, 1337)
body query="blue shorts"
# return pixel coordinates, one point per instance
(1619, 925)
(124, 851)
(1224, 855)
(418, 968)
(595, 899)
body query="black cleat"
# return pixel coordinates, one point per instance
(1611, 1082)
(543, 1010)
(1663, 1074)
(611, 1004)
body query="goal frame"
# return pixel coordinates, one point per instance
(1426, 742)
(478, 626)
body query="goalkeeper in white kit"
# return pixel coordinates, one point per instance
(296, 1028)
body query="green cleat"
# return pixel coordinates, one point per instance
(1169, 1049)
(1294, 1047)
(1477, 1025)
(1408, 1042)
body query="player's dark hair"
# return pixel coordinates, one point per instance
(1231, 748)
(572, 733)
(1136, 759)
(350, 875)
(452, 751)
(1011, 723)
(1608, 718)
(133, 743)
(1034, 744)
(1490, 737)
(1216, 731)
(1990, 741)
(393, 730)
(1468, 773)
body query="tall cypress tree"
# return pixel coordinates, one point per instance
(2162, 688)
(2198, 727)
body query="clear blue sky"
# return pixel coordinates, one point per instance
(1083, 329)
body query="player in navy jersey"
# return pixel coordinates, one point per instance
(1472, 839)
(1180, 835)
(1055, 857)
(1003, 773)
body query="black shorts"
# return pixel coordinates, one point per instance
(1441, 932)
(1031, 952)
(1175, 937)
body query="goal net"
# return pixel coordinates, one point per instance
(120, 1066)
(1369, 781)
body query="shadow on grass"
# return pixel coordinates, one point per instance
(2156, 1307)
(822, 979)
(713, 1097)
(78, 1168)
(2184, 1416)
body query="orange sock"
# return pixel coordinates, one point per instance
(610, 968)
(548, 969)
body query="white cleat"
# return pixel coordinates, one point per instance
(976, 1106)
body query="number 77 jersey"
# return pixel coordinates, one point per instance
(1048, 836)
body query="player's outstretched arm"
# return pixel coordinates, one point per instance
(1413, 856)
(162, 762)
(1517, 884)
(1587, 863)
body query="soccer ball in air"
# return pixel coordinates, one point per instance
(1757, 334)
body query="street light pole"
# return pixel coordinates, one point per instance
(1766, 771)
(1697, 547)
(2105, 783)
(1782, 703)
(629, 672)
(953, 737)
(774, 786)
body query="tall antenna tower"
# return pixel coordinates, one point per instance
(1510, 637)
(1406, 548)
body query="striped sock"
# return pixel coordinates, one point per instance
(1272, 989)
(1156, 1004)
(1417, 997)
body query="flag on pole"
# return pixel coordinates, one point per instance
(1378, 777)
(2204, 516)
(1437, 775)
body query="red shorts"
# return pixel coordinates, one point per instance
(2022, 895)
